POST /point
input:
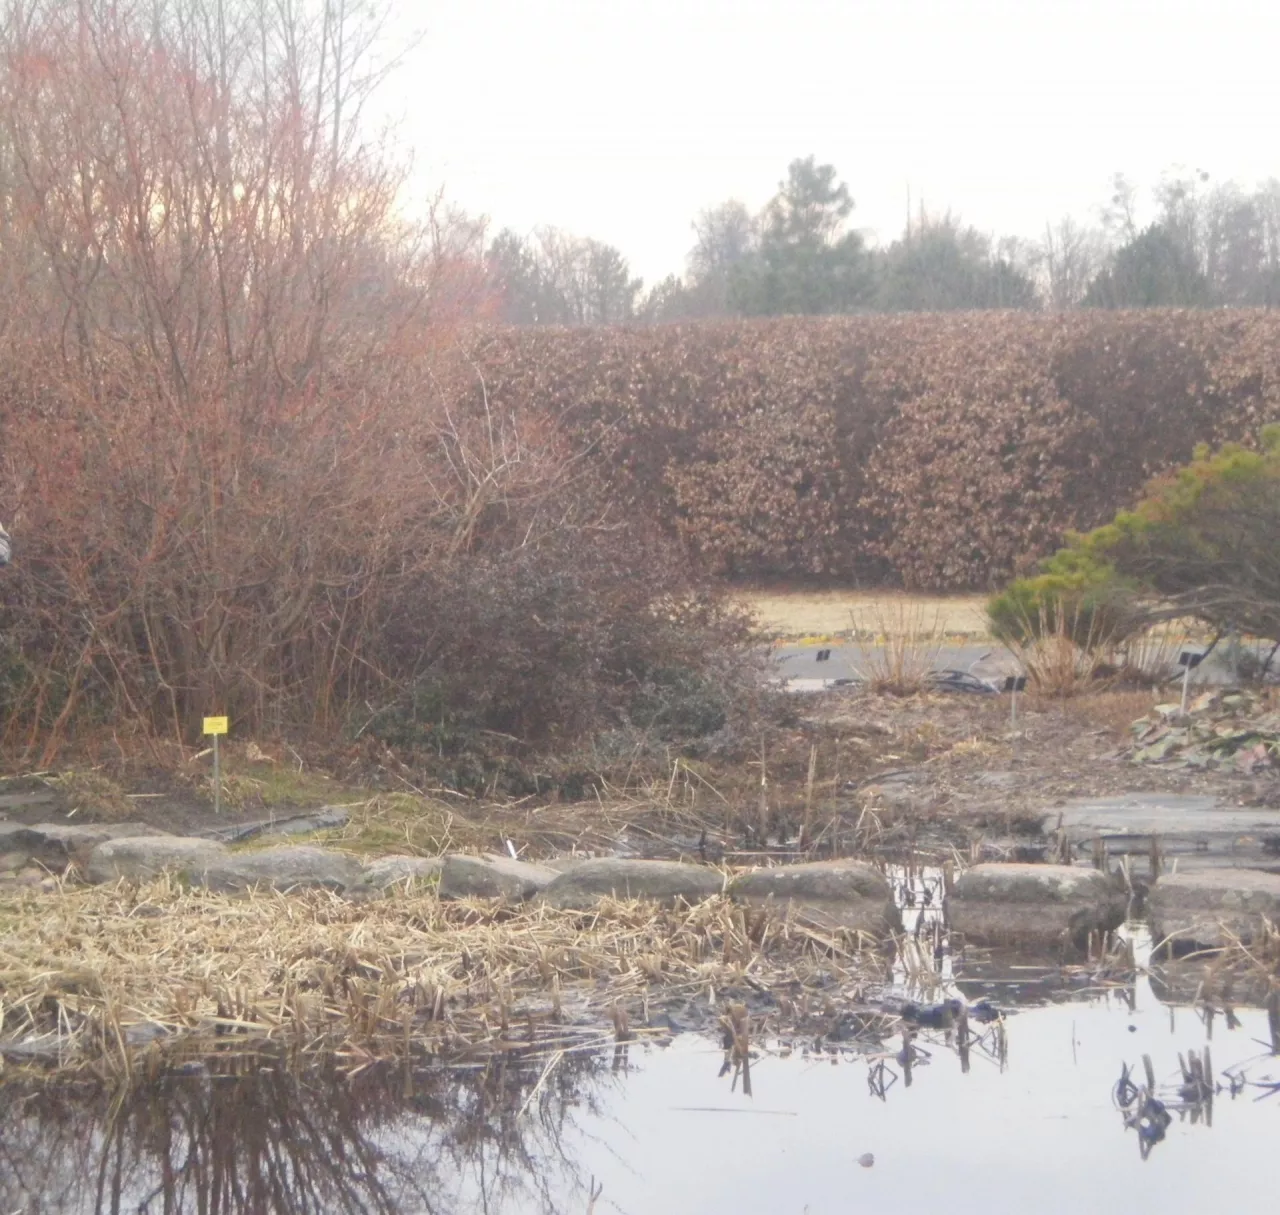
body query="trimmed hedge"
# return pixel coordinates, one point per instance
(937, 451)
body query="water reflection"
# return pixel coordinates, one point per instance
(265, 1139)
(957, 1099)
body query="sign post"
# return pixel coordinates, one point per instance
(216, 726)
(1188, 660)
(1013, 684)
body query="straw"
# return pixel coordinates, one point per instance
(92, 975)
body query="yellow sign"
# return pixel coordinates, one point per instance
(215, 725)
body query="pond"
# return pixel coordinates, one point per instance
(1034, 1120)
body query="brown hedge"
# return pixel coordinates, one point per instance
(941, 452)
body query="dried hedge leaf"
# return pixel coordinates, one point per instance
(939, 451)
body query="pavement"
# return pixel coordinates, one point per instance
(813, 666)
(1192, 832)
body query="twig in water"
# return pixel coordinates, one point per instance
(542, 1079)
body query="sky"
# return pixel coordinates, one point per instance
(622, 119)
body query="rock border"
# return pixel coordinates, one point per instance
(1021, 905)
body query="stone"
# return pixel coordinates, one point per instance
(141, 858)
(492, 877)
(1034, 906)
(11, 862)
(56, 845)
(827, 894)
(21, 801)
(326, 818)
(668, 882)
(283, 868)
(1207, 908)
(389, 871)
(1202, 832)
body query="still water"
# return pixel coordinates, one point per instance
(1032, 1126)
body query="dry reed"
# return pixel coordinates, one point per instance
(91, 974)
(1151, 658)
(902, 650)
(1064, 652)
(1257, 958)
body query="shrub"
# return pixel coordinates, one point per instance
(247, 466)
(1203, 539)
(1076, 596)
(582, 632)
(1199, 544)
(946, 452)
(903, 651)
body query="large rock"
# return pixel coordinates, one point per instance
(608, 877)
(55, 845)
(492, 877)
(284, 868)
(389, 871)
(1035, 906)
(141, 858)
(1205, 909)
(827, 894)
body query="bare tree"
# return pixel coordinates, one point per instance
(726, 236)
(727, 239)
(578, 280)
(1119, 216)
(226, 435)
(1070, 256)
(1267, 202)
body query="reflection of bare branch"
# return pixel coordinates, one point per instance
(262, 1139)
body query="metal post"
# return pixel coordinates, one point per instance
(217, 779)
(1188, 660)
(1012, 685)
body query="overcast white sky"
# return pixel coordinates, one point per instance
(621, 119)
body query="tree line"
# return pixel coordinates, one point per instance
(1208, 245)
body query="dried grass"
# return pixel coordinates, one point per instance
(93, 796)
(902, 650)
(1107, 709)
(1066, 652)
(90, 975)
(829, 613)
(682, 803)
(1257, 958)
(1151, 658)
(1058, 660)
(1239, 972)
